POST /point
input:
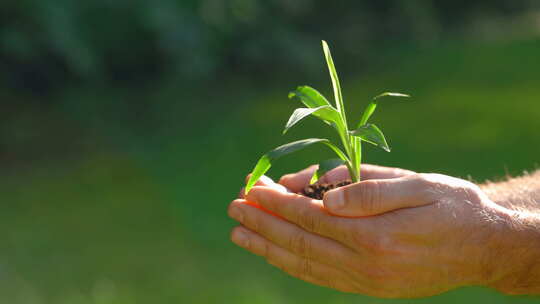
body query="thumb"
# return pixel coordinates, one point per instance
(376, 196)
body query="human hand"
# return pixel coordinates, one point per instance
(449, 240)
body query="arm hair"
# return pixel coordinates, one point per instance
(519, 193)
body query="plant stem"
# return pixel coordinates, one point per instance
(358, 153)
(351, 144)
(349, 150)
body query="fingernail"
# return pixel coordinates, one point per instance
(334, 200)
(240, 238)
(236, 214)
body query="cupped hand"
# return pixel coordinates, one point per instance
(397, 234)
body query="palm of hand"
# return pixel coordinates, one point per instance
(399, 252)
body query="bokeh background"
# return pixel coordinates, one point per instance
(126, 128)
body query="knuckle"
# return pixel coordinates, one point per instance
(430, 184)
(425, 179)
(472, 192)
(269, 255)
(308, 220)
(444, 185)
(370, 196)
(257, 194)
(305, 267)
(254, 222)
(233, 206)
(300, 245)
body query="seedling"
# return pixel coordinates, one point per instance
(317, 105)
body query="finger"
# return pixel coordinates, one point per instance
(304, 212)
(300, 267)
(379, 172)
(263, 181)
(296, 182)
(367, 172)
(372, 197)
(291, 237)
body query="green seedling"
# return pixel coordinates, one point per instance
(317, 105)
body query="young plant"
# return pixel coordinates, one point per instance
(317, 105)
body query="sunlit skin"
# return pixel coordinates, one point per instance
(396, 234)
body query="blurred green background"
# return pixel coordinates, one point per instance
(126, 128)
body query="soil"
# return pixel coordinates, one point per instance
(317, 191)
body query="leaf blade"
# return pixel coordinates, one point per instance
(300, 114)
(373, 135)
(391, 94)
(370, 109)
(265, 162)
(310, 97)
(313, 99)
(335, 79)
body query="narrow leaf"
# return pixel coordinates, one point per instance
(367, 113)
(391, 94)
(335, 79)
(309, 96)
(300, 114)
(373, 135)
(313, 99)
(373, 105)
(324, 167)
(265, 162)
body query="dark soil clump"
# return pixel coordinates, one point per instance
(317, 191)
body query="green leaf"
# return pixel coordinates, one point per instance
(300, 114)
(324, 167)
(309, 96)
(391, 94)
(314, 100)
(335, 79)
(373, 135)
(373, 105)
(265, 162)
(367, 113)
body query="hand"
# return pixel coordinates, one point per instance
(450, 239)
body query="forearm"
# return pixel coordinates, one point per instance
(519, 193)
(516, 254)
(516, 257)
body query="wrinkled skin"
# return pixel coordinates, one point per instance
(396, 234)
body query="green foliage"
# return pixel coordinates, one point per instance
(300, 114)
(373, 105)
(372, 134)
(265, 162)
(313, 99)
(134, 222)
(309, 96)
(318, 106)
(136, 42)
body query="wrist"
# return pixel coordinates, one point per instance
(514, 263)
